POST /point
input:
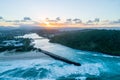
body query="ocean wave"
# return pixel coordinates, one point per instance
(46, 69)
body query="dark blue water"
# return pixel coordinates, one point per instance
(95, 66)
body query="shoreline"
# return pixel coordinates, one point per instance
(101, 41)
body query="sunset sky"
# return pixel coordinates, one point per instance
(41, 9)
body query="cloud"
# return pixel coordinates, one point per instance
(1, 17)
(89, 22)
(97, 20)
(58, 19)
(58, 22)
(77, 20)
(27, 19)
(116, 22)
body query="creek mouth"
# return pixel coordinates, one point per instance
(94, 66)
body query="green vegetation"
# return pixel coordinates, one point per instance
(8, 42)
(19, 45)
(105, 41)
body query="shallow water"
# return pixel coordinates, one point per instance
(95, 66)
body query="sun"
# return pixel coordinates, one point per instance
(51, 24)
(47, 23)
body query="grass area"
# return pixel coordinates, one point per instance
(105, 41)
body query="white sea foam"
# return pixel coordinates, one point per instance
(56, 68)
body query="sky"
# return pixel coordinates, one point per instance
(40, 9)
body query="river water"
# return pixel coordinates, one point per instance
(95, 66)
